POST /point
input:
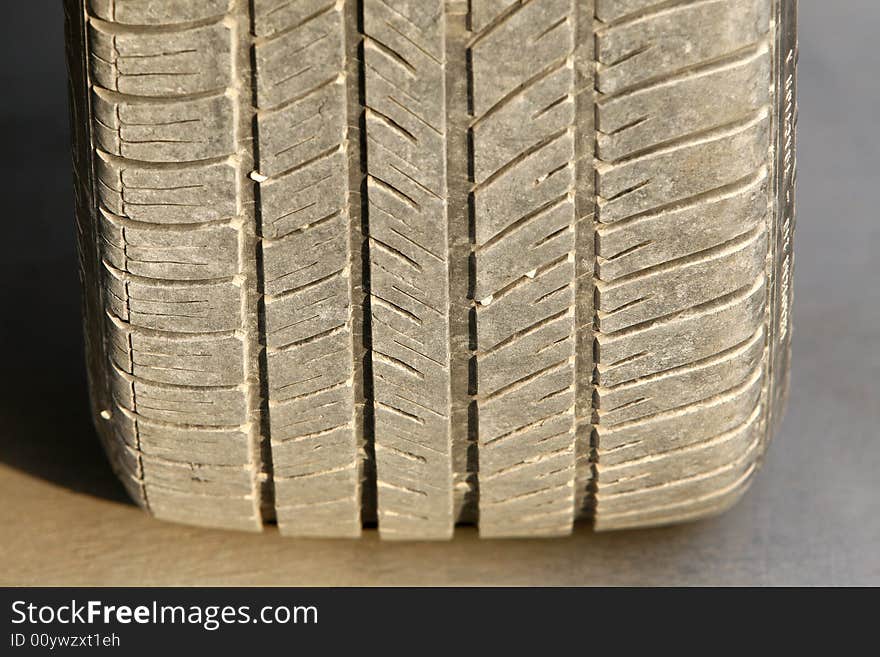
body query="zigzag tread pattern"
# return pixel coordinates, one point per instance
(404, 61)
(524, 253)
(309, 276)
(424, 262)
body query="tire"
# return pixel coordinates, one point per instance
(428, 262)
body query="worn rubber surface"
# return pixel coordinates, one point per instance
(424, 262)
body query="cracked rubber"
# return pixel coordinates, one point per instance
(421, 263)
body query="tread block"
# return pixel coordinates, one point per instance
(676, 39)
(320, 307)
(300, 60)
(319, 411)
(515, 311)
(313, 520)
(190, 360)
(327, 371)
(532, 184)
(197, 478)
(212, 446)
(178, 307)
(484, 12)
(537, 37)
(307, 256)
(689, 461)
(215, 407)
(547, 347)
(273, 16)
(172, 131)
(178, 195)
(680, 339)
(658, 179)
(681, 386)
(228, 512)
(138, 12)
(547, 105)
(691, 486)
(680, 285)
(680, 231)
(711, 504)
(302, 198)
(302, 131)
(191, 61)
(157, 252)
(545, 237)
(688, 425)
(546, 395)
(716, 96)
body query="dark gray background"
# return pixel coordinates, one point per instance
(813, 515)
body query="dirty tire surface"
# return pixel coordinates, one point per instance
(428, 262)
